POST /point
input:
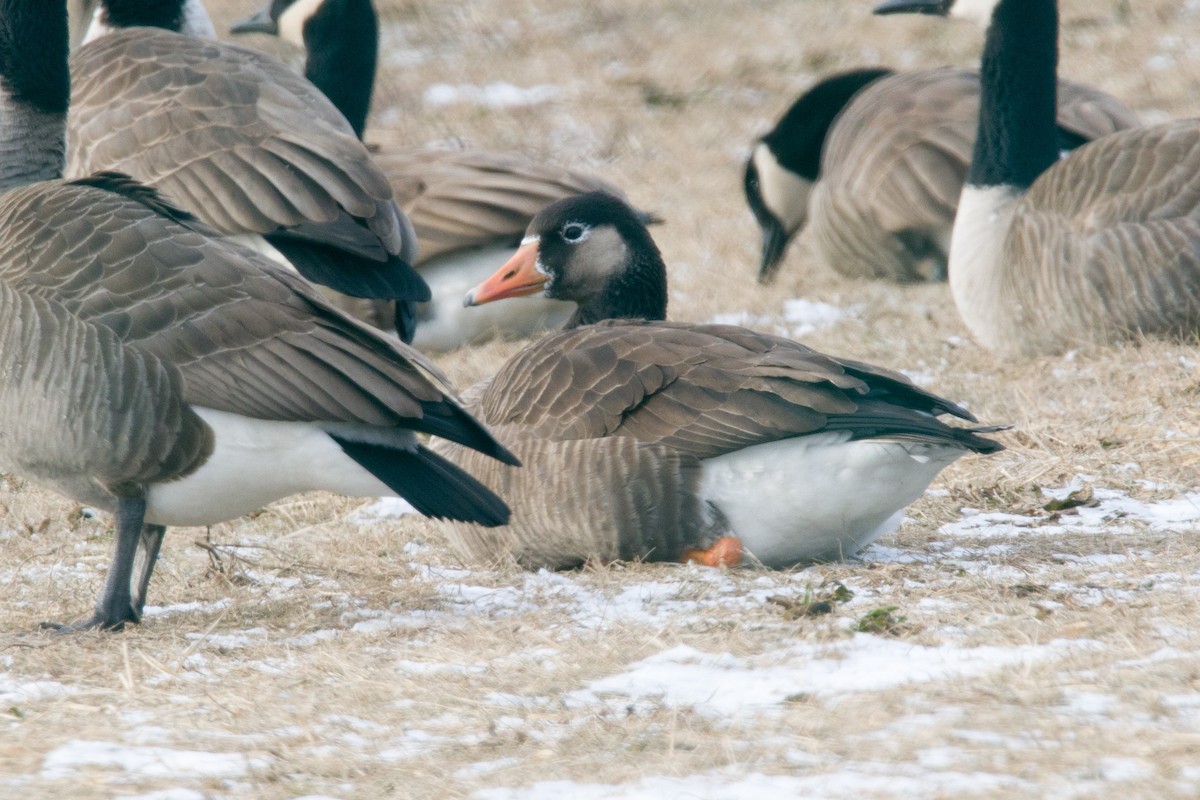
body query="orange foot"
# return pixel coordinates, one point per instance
(725, 552)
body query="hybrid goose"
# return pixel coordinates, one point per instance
(645, 439)
(244, 143)
(469, 208)
(873, 161)
(154, 370)
(1095, 248)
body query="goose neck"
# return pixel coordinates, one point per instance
(188, 17)
(35, 88)
(1017, 138)
(638, 292)
(342, 41)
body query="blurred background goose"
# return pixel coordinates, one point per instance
(245, 144)
(873, 161)
(646, 439)
(152, 369)
(469, 207)
(1049, 254)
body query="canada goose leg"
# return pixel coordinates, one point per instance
(115, 606)
(152, 539)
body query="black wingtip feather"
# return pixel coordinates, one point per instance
(434, 486)
(351, 274)
(451, 422)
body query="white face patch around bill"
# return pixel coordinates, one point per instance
(783, 192)
(291, 21)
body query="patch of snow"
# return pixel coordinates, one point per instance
(13, 692)
(1113, 513)
(383, 508)
(499, 94)
(169, 794)
(852, 781)
(182, 608)
(808, 316)
(723, 684)
(145, 762)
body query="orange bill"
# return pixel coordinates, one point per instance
(518, 277)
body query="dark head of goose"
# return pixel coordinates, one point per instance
(592, 249)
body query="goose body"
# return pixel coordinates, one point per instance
(873, 163)
(467, 206)
(248, 146)
(1095, 248)
(646, 439)
(151, 368)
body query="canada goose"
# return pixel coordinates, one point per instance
(657, 440)
(244, 143)
(468, 207)
(151, 369)
(1095, 248)
(873, 161)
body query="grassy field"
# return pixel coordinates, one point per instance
(998, 645)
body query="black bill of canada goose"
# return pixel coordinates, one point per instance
(873, 162)
(244, 143)
(646, 439)
(469, 207)
(1049, 254)
(152, 369)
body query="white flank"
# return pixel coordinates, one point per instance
(256, 462)
(784, 192)
(819, 497)
(449, 324)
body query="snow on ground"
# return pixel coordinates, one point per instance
(798, 319)
(493, 95)
(737, 693)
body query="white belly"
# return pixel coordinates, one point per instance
(450, 325)
(819, 498)
(256, 462)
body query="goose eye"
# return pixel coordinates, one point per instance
(574, 232)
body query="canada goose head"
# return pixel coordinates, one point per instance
(977, 11)
(786, 162)
(341, 40)
(592, 249)
(188, 17)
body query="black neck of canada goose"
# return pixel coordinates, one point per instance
(1018, 136)
(799, 136)
(341, 42)
(188, 17)
(35, 90)
(592, 249)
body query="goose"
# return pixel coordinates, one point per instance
(153, 369)
(873, 162)
(241, 141)
(469, 207)
(655, 440)
(1093, 249)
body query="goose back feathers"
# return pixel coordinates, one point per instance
(892, 162)
(247, 145)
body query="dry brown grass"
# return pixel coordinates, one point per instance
(305, 648)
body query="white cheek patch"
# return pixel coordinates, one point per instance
(784, 193)
(976, 11)
(291, 21)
